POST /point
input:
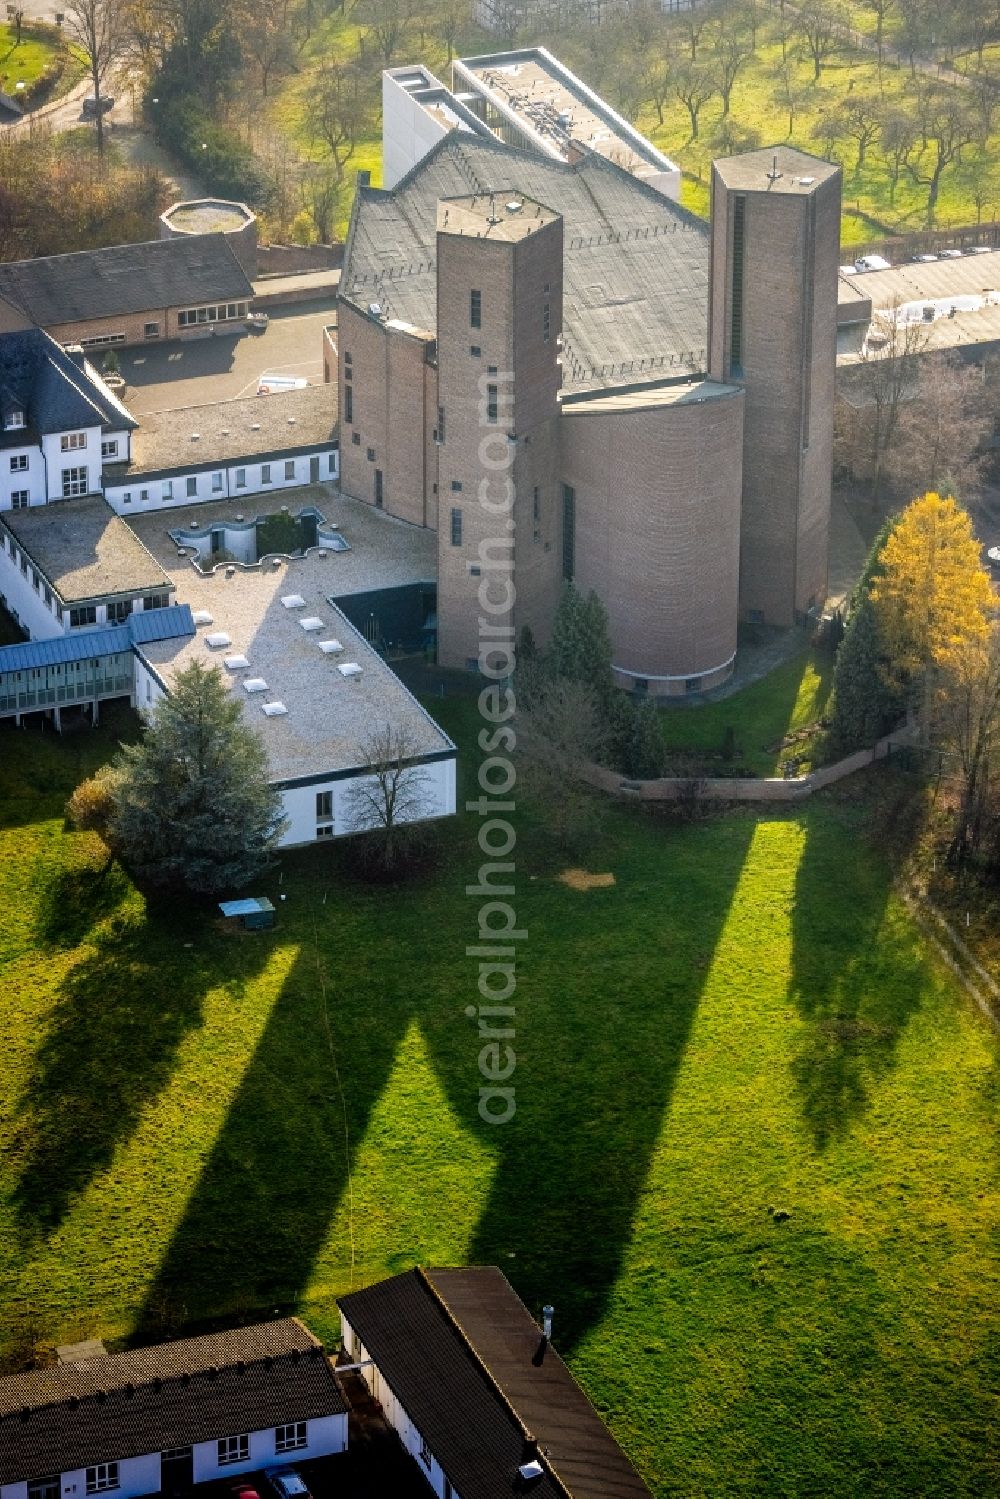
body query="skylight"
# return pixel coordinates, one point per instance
(312, 623)
(254, 684)
(293, 601)
(274, 710)
(217, 641)
(330, 647)
(202, 617)
(236, 663)
(349, 669)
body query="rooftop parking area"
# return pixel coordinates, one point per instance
(962, 293)
(223, 366)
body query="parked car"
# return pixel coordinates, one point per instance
(922, 259)
(90, 105)
(872, 263)
(978, 250)
(242, 1490)
(286, 1483)
(950, 255)
(257, 321)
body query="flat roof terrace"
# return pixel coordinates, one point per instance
(85, 551)
(550, 104)
(961, 295)
(330, 716)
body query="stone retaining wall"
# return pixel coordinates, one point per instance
(748, 789)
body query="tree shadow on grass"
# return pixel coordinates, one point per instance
(76, 899)
(857, 973)
(607, 995)
(109, 1047)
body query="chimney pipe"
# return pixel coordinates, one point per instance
(547, 1312)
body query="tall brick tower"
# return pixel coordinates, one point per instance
(499, 317)
(773, 330)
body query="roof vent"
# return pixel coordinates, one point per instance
(291, 421)
(255, 684)
(217, 641)
(350, 669)
(196, 437)
(330, 647)
(203, 617)
(531, 1472)
(239, 517)
(515, 205)
(293, 601)
(255, 426)
(312, 623)
(274, 710)
(806, 181)
(223, 431)
(375, 309)
(236, 663)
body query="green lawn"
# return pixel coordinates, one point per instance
(793, 696)
(745, 1024)
(760, 102)
(21, 64)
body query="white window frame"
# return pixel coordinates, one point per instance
(233, 1449)
(218, 483)
(291, 1438)
(72, 442)
(75, 482)
(191, 486)
(102, 1477)
(20, 499)
(289, 468)
(109, 449)
(167, 489)
(265, 473)
(19, 463)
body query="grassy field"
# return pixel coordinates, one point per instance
(792, 697)
(744, 1025)
(24, 63)
(760, 102)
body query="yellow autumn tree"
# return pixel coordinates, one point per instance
(933, 597)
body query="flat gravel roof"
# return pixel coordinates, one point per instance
(85, 550)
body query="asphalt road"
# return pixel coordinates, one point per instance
(193, 372)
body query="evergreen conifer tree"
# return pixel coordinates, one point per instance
(192, 807)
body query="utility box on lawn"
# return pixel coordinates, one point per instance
(255, 914)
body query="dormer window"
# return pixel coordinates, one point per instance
(13, 418)
(71, 441)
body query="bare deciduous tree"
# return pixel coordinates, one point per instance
(392, 796)
(560, 733)
(939, 435)
(98, 29)
(339, 109)
(873, 393)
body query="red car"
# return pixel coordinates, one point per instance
(241, 1490)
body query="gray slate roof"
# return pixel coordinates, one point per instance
(58, 391)
(635, 293)
(124, 279)
(170, 1395)
(85, 550)
(456, 1348)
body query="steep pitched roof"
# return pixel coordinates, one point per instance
(635, 266)
(58, 390)
(124, 279)
(170, 1395)
(458, 1349)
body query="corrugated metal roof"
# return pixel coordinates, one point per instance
(161, 624)
(151, 624)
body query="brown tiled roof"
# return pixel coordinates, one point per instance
(170, 1395)
(456, 1347)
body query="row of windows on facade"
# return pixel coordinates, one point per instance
(189, 317)
(103, 1477)
(167, 491)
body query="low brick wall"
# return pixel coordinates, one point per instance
(747, 789)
